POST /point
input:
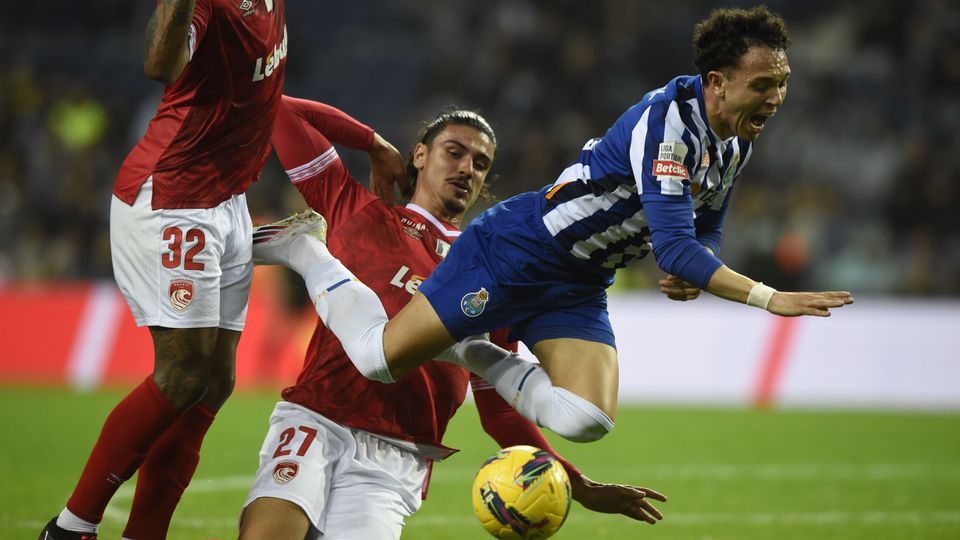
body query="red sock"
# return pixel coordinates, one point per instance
(133, 425)
(165, 473)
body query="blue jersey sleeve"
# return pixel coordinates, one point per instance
(662, 153)
(709, 224)
(675, 247)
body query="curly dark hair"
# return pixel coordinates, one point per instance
(724, 37)
(449, 117)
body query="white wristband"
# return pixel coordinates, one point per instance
(760, 295)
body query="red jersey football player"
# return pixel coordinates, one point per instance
(346, 456)
(180, 237)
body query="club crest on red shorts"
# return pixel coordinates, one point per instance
(181, 293)
(285, 471)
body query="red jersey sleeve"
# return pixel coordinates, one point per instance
(336, 125)
(503, 422)
(302, 135)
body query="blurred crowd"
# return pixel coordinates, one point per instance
(853, 185)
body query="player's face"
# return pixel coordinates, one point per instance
(750, 93)
(452, 169)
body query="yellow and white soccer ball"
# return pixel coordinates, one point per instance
(521, 492)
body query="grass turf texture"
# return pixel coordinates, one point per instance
(730, 474)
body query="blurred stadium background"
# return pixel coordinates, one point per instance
(854, 185)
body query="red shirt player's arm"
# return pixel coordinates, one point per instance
(303, 133)
(173, 32)
(503, 422)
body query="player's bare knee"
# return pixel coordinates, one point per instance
(183, 362)
(219, 389)
(223, 373)
(182, 387)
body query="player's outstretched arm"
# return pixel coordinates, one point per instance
(631, 501)
(166, 47)
(730, 285)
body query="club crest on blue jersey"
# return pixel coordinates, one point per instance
(473, 303)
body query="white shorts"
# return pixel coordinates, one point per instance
(183, 268)
(350, 483)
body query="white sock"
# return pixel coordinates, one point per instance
(353, 312)
(307, 251)
(527, 387)
(69, 521)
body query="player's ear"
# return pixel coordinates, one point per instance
(419, 155)
(716, 83)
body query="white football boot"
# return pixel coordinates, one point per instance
(291, 241)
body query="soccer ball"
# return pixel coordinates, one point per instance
(521, 492)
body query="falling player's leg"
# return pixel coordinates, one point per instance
(572, 391)
(380, 350)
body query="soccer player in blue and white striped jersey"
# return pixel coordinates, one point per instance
(660, 179)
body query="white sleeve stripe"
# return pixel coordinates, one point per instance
(695, 115)
(674, 128)
(697, 120)
(671, 186)
(577, 171)
(481, 386)
(314, 167)
(192, 41)
(638, 140)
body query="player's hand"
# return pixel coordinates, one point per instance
(386, 169)
(818, 304)
(678, 289)
(631, 501)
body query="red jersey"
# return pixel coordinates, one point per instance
(210, 137)
(391, 249)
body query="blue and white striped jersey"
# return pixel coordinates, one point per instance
(659, 179)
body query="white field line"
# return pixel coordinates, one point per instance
(197, 485)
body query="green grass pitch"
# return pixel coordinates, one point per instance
(730, 474)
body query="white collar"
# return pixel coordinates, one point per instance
(447, 231)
